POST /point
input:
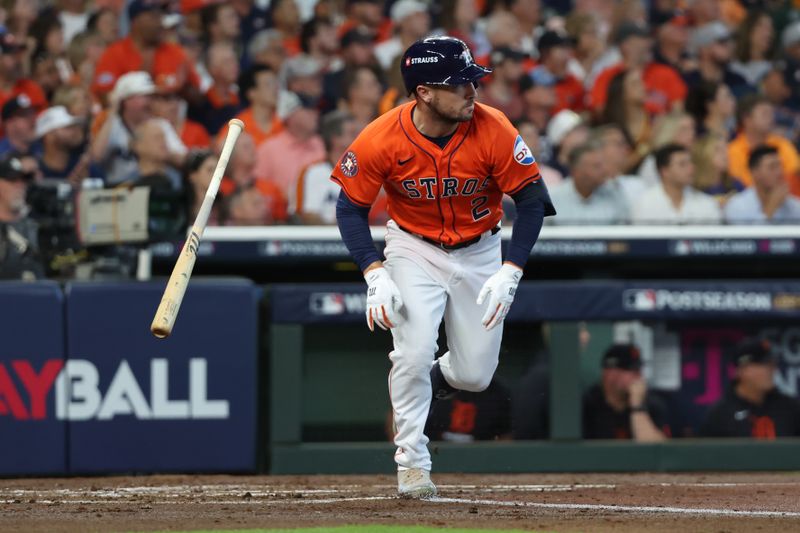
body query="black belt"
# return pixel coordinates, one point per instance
(449, 247)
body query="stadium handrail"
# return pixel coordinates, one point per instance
(322, 233)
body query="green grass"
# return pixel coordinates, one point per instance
(362, 529)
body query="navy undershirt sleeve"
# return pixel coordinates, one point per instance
(353, 221)
(533, 204)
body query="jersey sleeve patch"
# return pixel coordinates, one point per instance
(522, 154)
(349, 164)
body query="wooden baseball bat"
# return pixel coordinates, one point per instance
(167, 311)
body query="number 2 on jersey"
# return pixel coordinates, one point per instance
(478, 211)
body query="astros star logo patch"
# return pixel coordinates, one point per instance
(349, 164)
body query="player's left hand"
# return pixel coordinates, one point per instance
(500, 288)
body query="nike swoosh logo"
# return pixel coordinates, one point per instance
(404, 161)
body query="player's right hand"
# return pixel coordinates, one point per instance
(383, 300)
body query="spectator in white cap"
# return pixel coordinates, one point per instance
(411, 23)
(302, 74)
(790, 41)
(280, 158)
(565, 131)
(61, 135)
(130, 107)
(712, 45)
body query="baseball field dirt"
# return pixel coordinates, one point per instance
(644, 502)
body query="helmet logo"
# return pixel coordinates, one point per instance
(466, 56)
(418, 60)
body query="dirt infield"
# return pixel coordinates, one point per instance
(575, 502)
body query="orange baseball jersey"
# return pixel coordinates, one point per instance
(170, 60)
(449, 195)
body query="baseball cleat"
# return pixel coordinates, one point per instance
(415, 483)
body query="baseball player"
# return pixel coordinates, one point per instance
(444, 161)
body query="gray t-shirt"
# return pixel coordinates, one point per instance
(606, 205)
(745, 208)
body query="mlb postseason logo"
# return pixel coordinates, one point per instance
(522, 154)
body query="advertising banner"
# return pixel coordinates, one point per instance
(602, 300)
(139, 404)
(31, 357)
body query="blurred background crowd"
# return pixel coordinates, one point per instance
(638, 111)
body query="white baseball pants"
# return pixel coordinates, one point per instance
(437, 284)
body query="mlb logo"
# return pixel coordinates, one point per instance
(327, 303)
(639, 300)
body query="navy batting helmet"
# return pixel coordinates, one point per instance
(439, 61)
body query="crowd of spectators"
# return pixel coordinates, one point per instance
(638, 112)
(645, 112)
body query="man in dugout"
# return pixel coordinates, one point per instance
(619, 407)
(753, 407)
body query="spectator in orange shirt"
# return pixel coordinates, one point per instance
(756, 116)
(247, 206)
(241, 176)
(286, 19)
(555, 51)
(281, 158)
(221, 101)
(168, 105)
(664, 86)
(143, 49)
(366, 15)
(11, 81)
(502, 91)
(258, 87)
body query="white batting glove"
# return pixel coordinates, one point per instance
(500, 288)
(383, 300)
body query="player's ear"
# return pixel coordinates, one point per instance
(424, 93)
